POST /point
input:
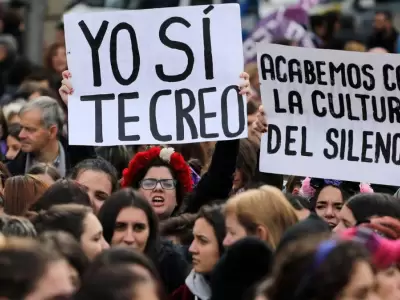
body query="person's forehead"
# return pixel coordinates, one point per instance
(380, 16)
(34, 113)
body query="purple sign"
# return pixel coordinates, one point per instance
(286, 23)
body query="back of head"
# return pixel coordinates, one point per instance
(45, 169)
(123, 256)
(10, 111)
(267, 207)
(244, 264)
(64, 191)
(310, 226)
(68, 217)
(118, 156)
(64, 243)
(315, 268)
(21, 193)
(22, 263)
(365, 206)
(112, 282)
(16, 226)
(180, 227)
(246, 160)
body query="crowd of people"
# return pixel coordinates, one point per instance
(180, 222)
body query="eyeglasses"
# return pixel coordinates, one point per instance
(151, 183)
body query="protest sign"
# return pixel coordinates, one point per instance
(159, 76)
(332, 114)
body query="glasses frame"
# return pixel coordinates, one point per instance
(158, 181)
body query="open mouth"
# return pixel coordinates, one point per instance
(157, 201)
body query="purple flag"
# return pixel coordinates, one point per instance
(285, 23)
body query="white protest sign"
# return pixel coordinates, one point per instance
(157, 76)
(332, 114)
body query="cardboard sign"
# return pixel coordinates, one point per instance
(157, 76)
(332, 114)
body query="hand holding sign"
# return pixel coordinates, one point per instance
(66, 86)
(67, 89)
(259, 126)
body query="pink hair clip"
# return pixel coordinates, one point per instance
(365, 188)
(306, 189)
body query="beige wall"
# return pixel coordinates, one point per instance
(53, 16)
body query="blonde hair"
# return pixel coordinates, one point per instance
(355, 46)
(266, 206)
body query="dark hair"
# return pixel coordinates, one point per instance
(67, 217)
(292, 182)
(45, 169)
(60, 26)
(191, 151)
(64, 191)
(97, 165)
(30, 87)
(68, 247)
(246, 160)
(4, 173)
(122, 256)
(14, 130)
(17, 4)
(364, 206)
(3, 124)
(314, 199)
(38, 74)
(22, 262)
(298, 202)
(126, 198)
(180, 226)
(214, 216)
(317, 21)
(16, 226)
(50, 53)
(298, 275)
(118, 156)
(388, 14)
(158, 162)
(283, 42)
(19, 71)
(252, 107)
(112, 282)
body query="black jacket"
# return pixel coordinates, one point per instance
(384, 40)
(216, 183)
(73, 155)
(172, 266)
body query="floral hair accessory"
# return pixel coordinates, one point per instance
(306, 189)
(384, 252)
(175, 160)
(365, 188)
(166, 153)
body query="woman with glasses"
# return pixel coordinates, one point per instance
(129, 220)
(164, 178)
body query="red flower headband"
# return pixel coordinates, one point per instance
(142, 159)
